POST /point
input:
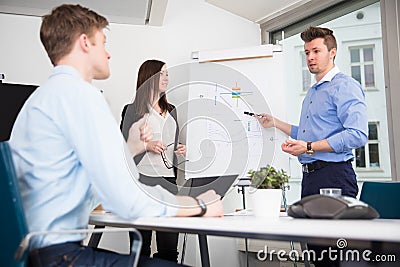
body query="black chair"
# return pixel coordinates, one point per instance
(384, 197)
(14, 230)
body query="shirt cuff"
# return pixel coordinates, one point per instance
(160, 202)
(172, 206)
(336, 143)
(293, 131)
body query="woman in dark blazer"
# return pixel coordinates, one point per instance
(158, 164)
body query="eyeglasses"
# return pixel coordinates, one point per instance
(168, 164)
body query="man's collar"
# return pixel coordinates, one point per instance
(66, 69)
(329, 76)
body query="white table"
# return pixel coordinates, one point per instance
(359, 232)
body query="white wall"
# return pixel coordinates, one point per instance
(189, 25)
(23, 60)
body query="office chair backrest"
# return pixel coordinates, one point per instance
(13, 224)
(384, 197)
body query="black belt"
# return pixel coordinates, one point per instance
(316, 165)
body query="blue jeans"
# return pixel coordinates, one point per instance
(74, 254)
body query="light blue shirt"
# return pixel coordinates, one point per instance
(333, 109)
(70, 156)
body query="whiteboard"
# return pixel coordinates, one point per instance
(220, 138)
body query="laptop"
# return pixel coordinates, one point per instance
(196, 186)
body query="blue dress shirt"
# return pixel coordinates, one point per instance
(333, 109)
(70, 156)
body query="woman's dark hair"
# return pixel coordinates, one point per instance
(147, 87)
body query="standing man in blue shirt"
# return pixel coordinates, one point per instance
(70, 154)
(333, 120)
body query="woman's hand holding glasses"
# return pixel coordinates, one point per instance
(180, 149)
(155, 146)
(158, 147)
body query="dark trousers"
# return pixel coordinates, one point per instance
(166, 245)
(166, 242)
(337, 175)
(74, 254)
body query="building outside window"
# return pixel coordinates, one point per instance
(306, 75)
(367, 157)
(363, 66)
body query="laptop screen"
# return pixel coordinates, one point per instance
(196, 186)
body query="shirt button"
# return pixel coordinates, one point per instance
(307, 117)
(310, 102)
(304, 131)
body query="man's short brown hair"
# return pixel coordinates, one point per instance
(64, 24)
(317, 32)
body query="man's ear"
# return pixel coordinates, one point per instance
(84, 42)
(332, 53)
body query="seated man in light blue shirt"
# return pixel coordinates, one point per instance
(70, 155)
(333, 120)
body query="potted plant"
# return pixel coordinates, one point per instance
(268, 184)
(268, 178)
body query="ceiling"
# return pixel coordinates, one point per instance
(258, 10)
(152, 12)
(136, 12)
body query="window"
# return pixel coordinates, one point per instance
(306, 75)
(368, 156)
(362, 66)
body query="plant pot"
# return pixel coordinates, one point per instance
(266, 202)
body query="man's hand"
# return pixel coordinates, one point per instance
(266, 120)
(294, 147)
(298, 147)
(139, 134)
(213, 202)
(190, 207)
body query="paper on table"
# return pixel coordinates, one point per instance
(240, 213)
(100, 211)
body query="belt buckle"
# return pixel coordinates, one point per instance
(306, 169)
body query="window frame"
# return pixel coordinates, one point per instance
(367, 155)
(305, 68)
(312, 13)
(362, 64)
